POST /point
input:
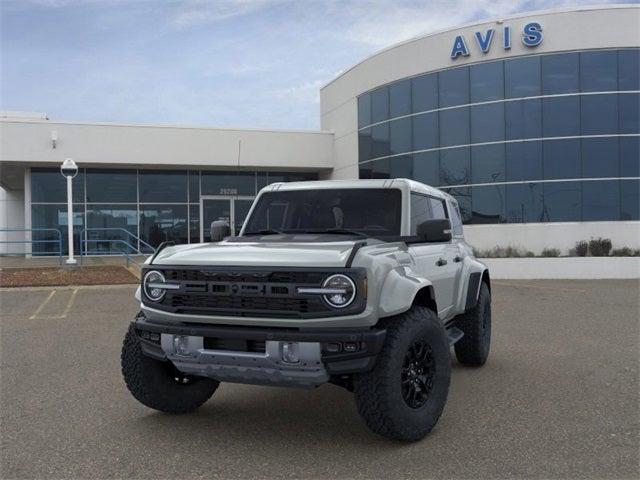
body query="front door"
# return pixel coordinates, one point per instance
(232, 210)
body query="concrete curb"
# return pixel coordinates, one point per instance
(576, 268)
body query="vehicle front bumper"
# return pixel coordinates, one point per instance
(316, 365)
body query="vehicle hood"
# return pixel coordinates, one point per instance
(257, 254)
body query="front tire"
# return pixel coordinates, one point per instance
(473, 348)
(159, 385)
(404, 395)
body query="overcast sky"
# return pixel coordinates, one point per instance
(246, 63)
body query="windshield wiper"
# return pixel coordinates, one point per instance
(339, 231)
(266, 231)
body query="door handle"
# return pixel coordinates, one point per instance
(457, 259)
(441, 262)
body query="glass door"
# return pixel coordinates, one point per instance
(228, 209)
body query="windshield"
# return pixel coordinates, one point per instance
(372, 212)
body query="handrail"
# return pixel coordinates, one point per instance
(32, 241)
(119, 229)
(119, 241)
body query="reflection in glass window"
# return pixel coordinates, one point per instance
(561, 116)
(425, 131)
(453, 87)
(630, 156)
(49, 186)
(599, 114)
(400, 135)
(629, 69)
(600, 157)
(364, 110)
(380, 168)
(522, 77)
(424, 93)
(629, 113)
(487, 204)
(487, 123)
(463, 197)
(437, 208)
(456, 221)
(560, 73)
(380, 140)
(194, 186)
(561, 159)
(113, 219)
(420, 211)
(364, 171)
(401, 167)
(365, 147)
(454, 166)
(426, 168)
(194, 223)
(162, 223)
(400, 98)
(279, 177)
(163, 186)
(112, 186)
(523, 161)
(229, 183)
(562, 201)
(487, 164)
(630, 200)
(487, 81)
(454, 127)
(600, 200)
(523, 119)
(379, 104)
(524, 203)
(54, 217)
(598, 71)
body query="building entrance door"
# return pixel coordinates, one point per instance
(232, 210)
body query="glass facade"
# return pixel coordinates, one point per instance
(545, 138)
(153, 205)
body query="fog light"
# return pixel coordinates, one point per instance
(291, 352)
(181, 345)
(350, 347)
(333, 347)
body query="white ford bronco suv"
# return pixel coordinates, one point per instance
(364, 284)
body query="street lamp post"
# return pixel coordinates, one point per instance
(69, 170)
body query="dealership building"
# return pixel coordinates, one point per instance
(531, 122)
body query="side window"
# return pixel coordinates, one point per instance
(456, 221)
(420, 211)
(437, 207)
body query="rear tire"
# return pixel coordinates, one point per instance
(403, 396)
(473, 348)
(159, 385)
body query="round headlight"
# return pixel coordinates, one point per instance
(344, 291)
(154, 294)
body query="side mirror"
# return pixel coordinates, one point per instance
(219, 230)
(436, 230)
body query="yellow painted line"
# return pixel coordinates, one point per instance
(42, 305)
(69, 304)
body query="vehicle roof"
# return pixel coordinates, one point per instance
(401, 183)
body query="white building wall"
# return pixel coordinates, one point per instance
(29, 141)
(11, 217)
(538, 236)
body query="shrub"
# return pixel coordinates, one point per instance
(625, 252)
(581, 248)
(503, 252)
(550, 252)
(600, 247)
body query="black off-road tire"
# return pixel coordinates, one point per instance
(379, 394)
(473, 348)
(153, 383)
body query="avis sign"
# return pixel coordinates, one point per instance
(531, 37)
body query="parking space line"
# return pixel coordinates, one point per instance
(42, 305)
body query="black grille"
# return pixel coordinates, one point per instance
(242, 292)
(235, 345)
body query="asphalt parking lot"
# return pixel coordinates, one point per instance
(557, 399)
